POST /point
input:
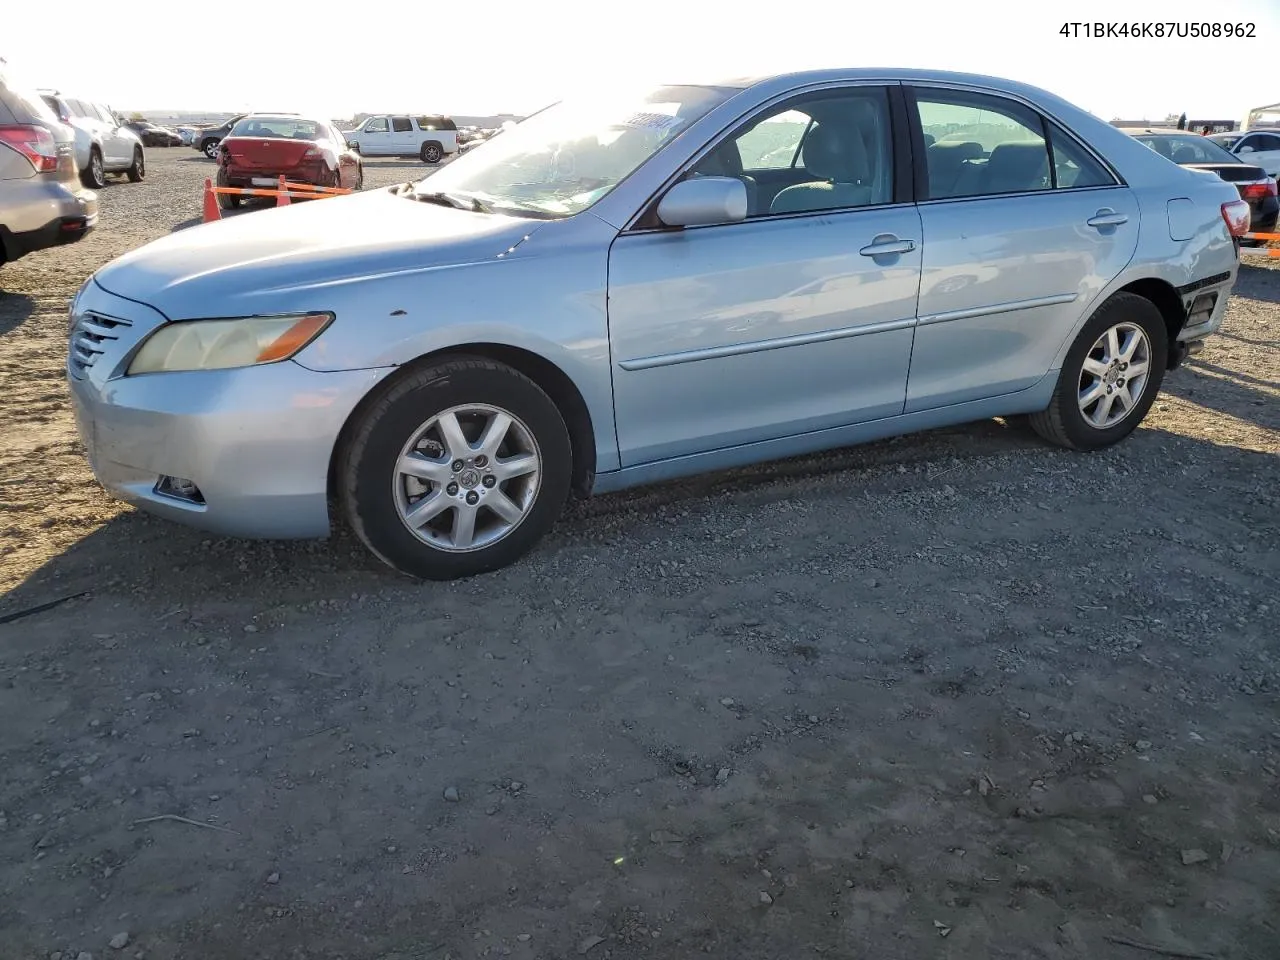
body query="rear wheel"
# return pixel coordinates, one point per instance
(1110, 377)
(210, 149)
(139, 168)
(95, 175)
(456, 469)
(431, 152)
(227, 201)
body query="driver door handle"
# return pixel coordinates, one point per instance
(1106, 217)
(887, 246)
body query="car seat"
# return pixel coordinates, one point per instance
(838, 158)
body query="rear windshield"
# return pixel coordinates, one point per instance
(1187, 148)
(284, 128)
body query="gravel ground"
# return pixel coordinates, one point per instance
(954, 695)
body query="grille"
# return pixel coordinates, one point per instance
(90, 336)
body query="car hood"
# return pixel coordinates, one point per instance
(253, 261)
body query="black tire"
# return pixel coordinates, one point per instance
(94, 175)
(1063, 423)
(209, 148)
(359, 178)
(139, 168)
(431, 152)
(366, 464)
(227, 201)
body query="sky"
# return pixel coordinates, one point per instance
(516, 56)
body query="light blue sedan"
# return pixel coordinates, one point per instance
(631, 287)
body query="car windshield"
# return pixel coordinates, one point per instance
(568, 156)
(1187, 148)
(284, 128)
(1227, 140)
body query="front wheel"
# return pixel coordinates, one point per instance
(139, 168)
(1110, 377)
(456, 469)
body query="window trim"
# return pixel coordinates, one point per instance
(910, 90)
(900, 159)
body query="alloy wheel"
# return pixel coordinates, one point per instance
(467, 477)
(1114, 375)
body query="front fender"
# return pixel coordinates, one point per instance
(548, 296)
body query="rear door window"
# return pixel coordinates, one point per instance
(401, 125)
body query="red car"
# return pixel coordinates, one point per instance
(263, 147)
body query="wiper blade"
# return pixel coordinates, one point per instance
(459, 200)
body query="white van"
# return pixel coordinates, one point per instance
(429, 138)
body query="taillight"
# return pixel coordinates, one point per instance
(1237, 215)
(312, 153)
(1259, 191)
(34, 143)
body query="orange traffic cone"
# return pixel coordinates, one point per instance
(211, 211)
(282, 200)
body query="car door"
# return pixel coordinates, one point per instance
(403, 136)
(797, 318)
(1022, 226)
(86, 118)
(1262, 149)
(375, 137)
(122, 143)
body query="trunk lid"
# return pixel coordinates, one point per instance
(1232, 172)
(266, 153)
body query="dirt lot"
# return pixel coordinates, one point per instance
(957, 695)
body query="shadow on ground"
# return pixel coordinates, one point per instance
(15, 308)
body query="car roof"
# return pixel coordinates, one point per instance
(836, 74)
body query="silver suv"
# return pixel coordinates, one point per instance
(41, 204)
(103, 144)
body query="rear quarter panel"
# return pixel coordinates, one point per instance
(1155, 181)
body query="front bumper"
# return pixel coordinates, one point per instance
(256, 441)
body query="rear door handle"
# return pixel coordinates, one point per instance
(887, 246)
(1107, 218)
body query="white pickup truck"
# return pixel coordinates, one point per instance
(429, 138)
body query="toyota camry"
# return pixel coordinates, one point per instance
(638, 285)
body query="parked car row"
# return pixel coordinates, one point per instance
(41, 203)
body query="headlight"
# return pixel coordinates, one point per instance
(221, 344)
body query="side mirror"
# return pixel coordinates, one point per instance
(703, 201)
(1245, 149)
